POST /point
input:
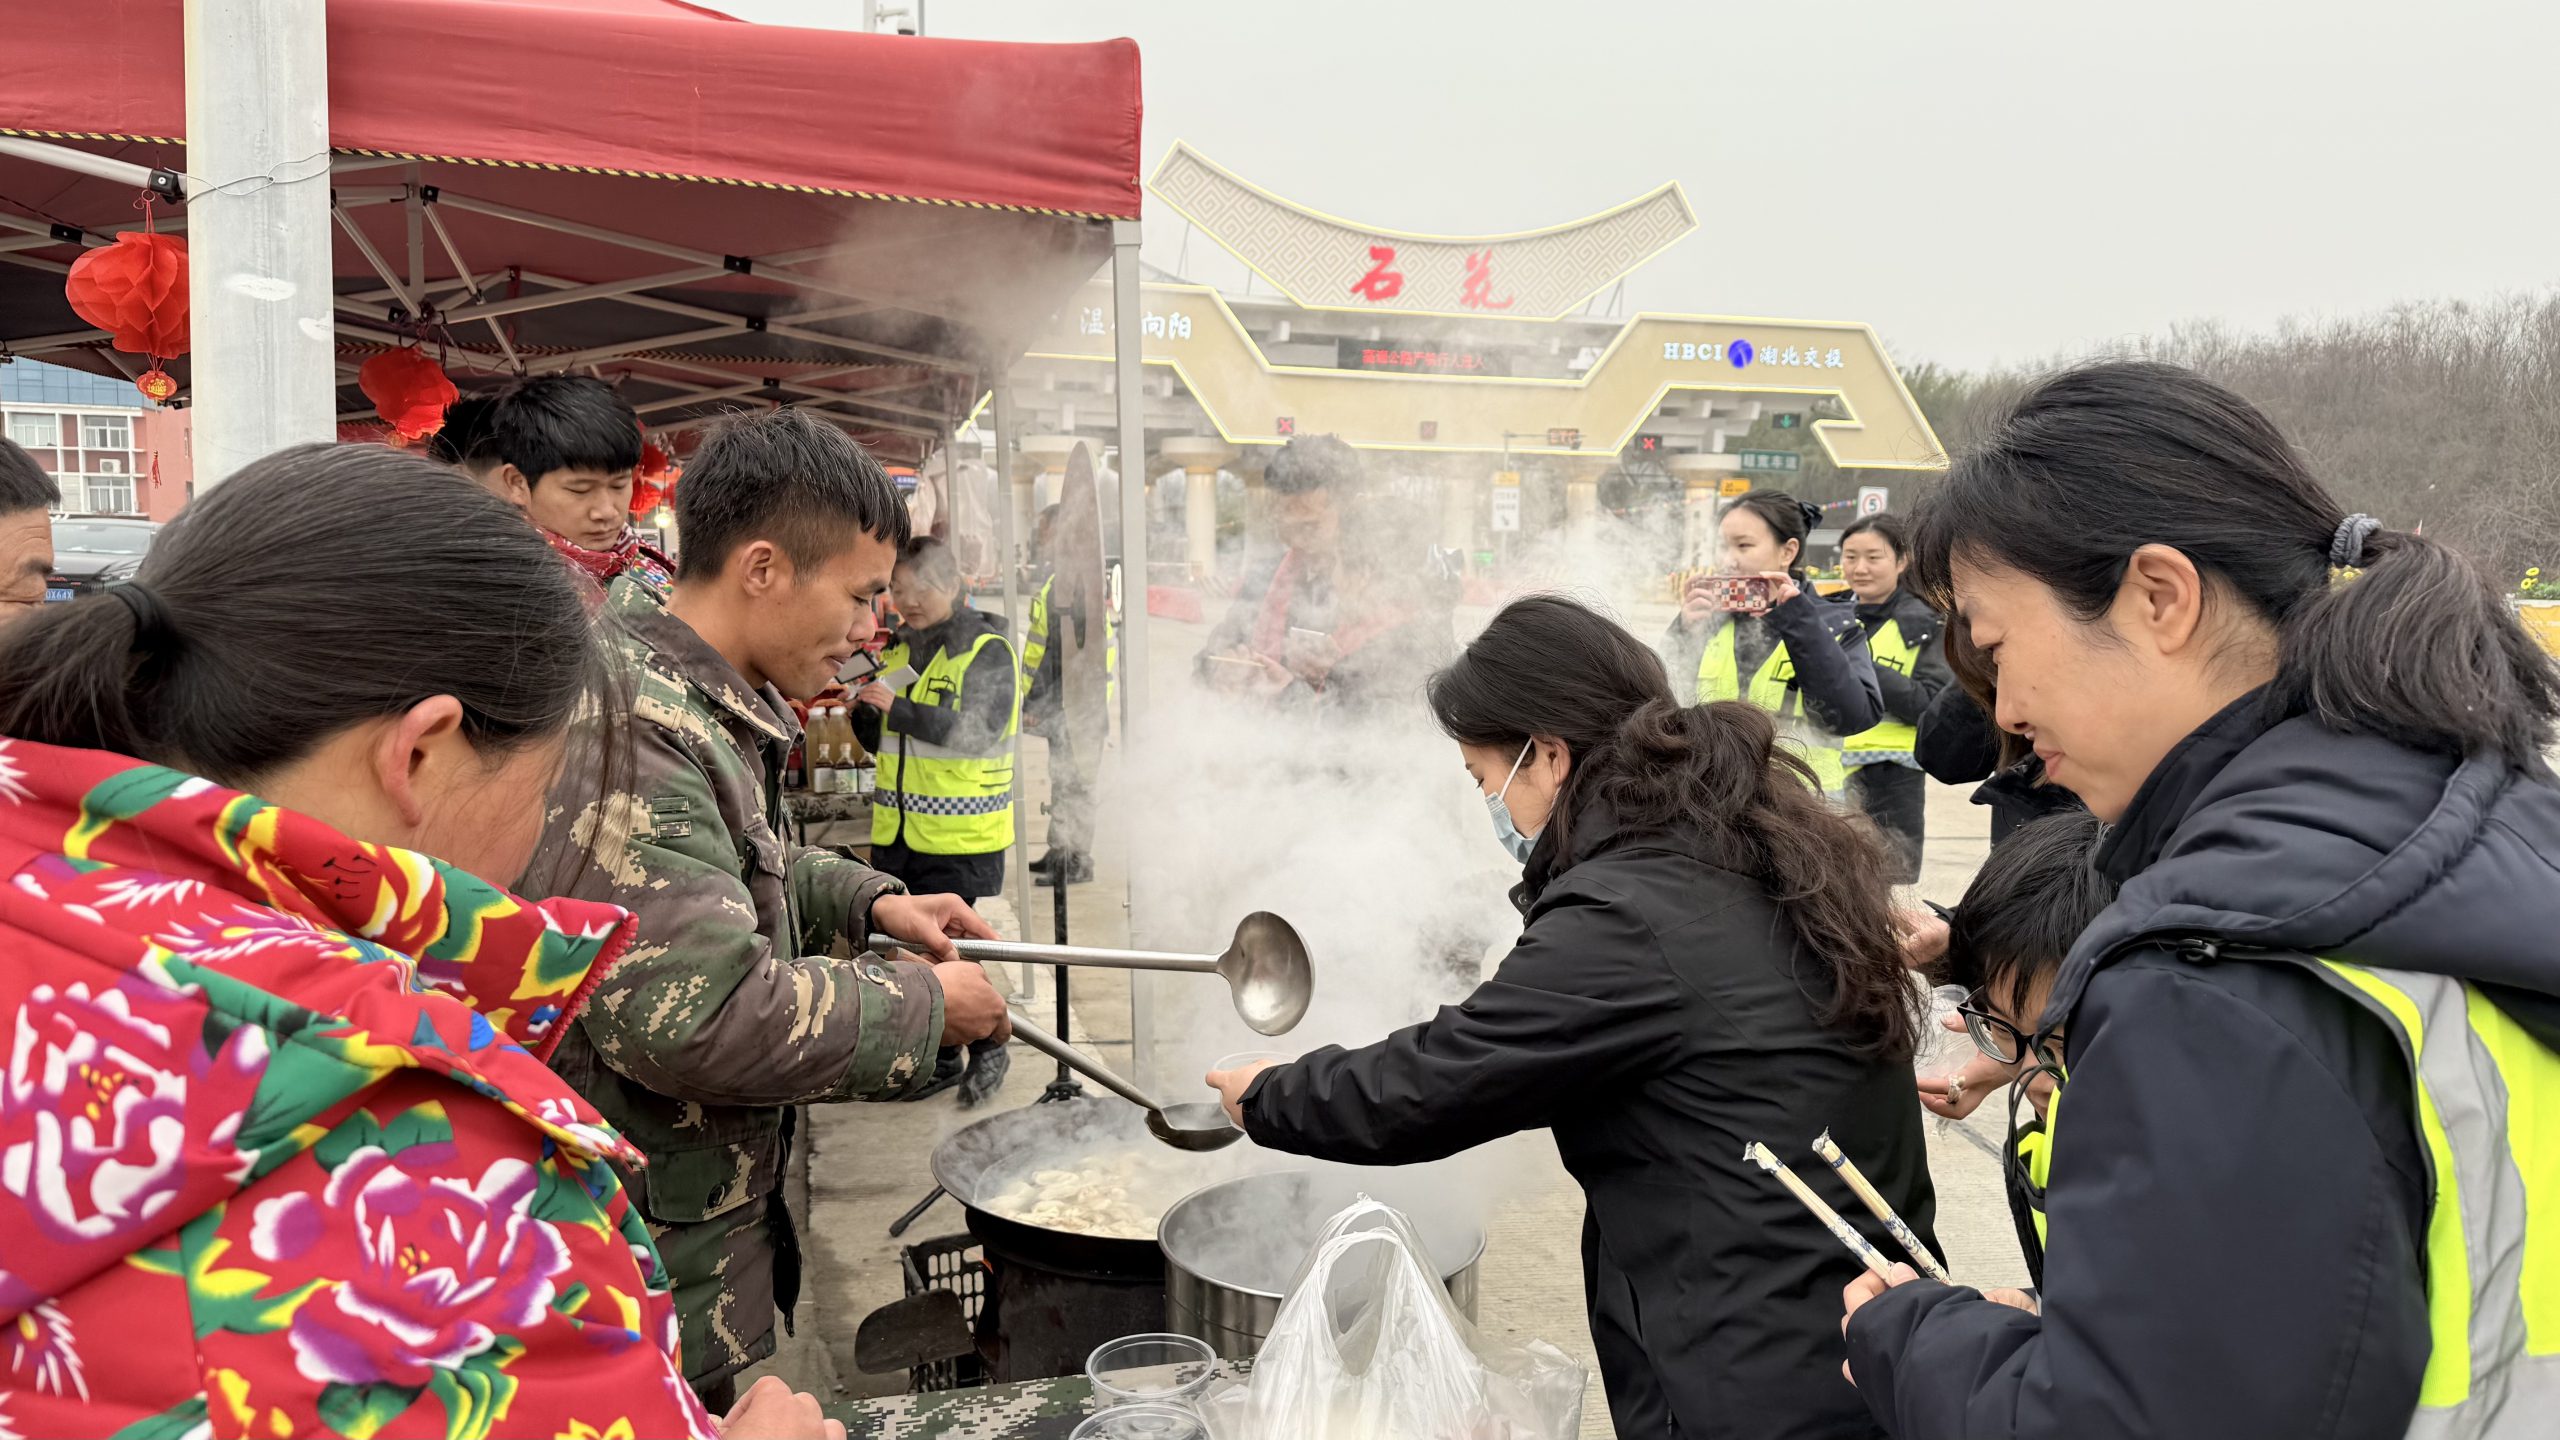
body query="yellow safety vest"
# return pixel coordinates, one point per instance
(934, 799)
(1720, 678)
(1893, 739)
(1035, 644)
(2488, 1105)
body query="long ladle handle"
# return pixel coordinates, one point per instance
(1069, 1056)
(1016, 952)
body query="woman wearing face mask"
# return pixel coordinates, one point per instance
(1910, 668)
(1798, 656)
(2300, 1159)
(1708, 960)
(278, 1151)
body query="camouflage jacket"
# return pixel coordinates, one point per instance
(721, 1015)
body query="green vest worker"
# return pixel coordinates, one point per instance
(2301, 1166)
(1803, 659)
(1911, 668)
(942, 725)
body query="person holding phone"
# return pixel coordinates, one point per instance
(1755, 632)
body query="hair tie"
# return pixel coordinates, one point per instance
(1812, 515)
(151, 627)
(2346, 548)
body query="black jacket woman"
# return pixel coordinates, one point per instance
(2282, 1195)
(1911, 668)
(1708, 960)
(1800, 657)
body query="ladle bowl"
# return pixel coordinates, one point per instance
(1265, 966)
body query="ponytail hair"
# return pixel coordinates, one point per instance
(2378, 632)
(1712, 777)
(318, 588)
(1787, 517)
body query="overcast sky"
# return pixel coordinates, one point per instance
(1982, 180)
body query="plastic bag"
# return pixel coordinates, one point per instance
(1368, 1346)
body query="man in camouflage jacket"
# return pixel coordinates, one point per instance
(729, 1008)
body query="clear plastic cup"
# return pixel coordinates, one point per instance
(1944, 1051)
(1146, 1421)
(1242, 1058)
(1171, 1370)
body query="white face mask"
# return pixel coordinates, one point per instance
(1504, 829)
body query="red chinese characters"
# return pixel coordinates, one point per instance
(1381, 282)
(1477, 290)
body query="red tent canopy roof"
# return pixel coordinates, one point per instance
(650, 88)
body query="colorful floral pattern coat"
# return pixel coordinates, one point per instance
(278, 1151)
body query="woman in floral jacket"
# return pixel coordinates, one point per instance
(278, 1151)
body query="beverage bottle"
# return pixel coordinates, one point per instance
(822, 753)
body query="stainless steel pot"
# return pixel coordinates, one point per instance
(1231, 1249)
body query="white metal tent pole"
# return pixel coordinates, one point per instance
(263, 348)
(1126, 340)
(999, 454)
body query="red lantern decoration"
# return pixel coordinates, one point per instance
(136, 289)
(653, 462)
(645, 497)
(156, 384)
(408, 390)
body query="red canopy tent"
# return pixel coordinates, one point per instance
(702, 209)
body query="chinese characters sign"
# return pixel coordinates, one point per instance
(1742, 355)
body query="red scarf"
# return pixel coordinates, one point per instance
(629, 552)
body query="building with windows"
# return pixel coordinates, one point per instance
(111, 451)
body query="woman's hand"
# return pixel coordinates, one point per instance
(876, 696)
(1782, 588)
(1698, 602)
(1863, 1289)
(772, 1410)
(1231, 1085)
(1955, 1095)
(1924, 938)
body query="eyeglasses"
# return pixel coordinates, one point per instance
(1997, 1038)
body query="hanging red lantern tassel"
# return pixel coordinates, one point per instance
(408, 390)
(645, 497)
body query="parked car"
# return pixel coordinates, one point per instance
(92, 552)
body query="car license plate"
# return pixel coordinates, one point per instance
(56, 594)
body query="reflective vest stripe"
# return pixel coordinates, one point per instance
(2489, 1108)
(1720, 678)
(938, 799)
(2533, 1135)
(1891, 739)
(1035, 644)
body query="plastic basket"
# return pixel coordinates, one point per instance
(953, 1263)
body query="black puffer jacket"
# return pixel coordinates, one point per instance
(1834, 674)
(1657, 1014)
(2237, 1206)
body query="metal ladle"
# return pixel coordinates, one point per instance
(1199, 1125)
(1265, 966)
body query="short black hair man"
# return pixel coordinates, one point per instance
(563, 448)
(27, 498)
(731, 1006)
(463, 443)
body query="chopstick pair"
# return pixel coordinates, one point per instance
(1841, 1230)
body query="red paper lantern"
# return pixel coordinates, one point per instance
(136, 289)
(408, 390)
(645, 497)
(156, 384)
(653, 461)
